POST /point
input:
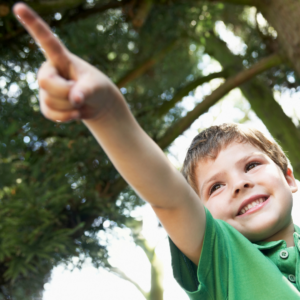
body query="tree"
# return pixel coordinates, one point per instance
(57, 187)
(156, 290)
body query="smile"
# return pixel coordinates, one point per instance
(252, 206)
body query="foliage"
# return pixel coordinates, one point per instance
(57, 186)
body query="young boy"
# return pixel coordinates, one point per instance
(231, 231)
(244, 180)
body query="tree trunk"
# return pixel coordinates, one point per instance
(145, 65)
(157, 290)
(283, 15)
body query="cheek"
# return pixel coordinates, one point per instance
(218, 209)
(274, 181)
(272, 176)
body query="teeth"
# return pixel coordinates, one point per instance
(250, 205)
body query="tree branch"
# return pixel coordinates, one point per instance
(142, 9)
(149, 251)
(238, 2)
(144, 66)
(156, 292)
(46, 7)
(261, 99)
(184, 91)
(122, 275)
(85, 13)
(43, 10)
(178, 128)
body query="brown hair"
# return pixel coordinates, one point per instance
(208, 143)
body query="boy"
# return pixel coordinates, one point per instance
(240, 177)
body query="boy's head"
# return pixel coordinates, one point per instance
(243, 178)
(208, 143)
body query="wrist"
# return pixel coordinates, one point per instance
(104, 106)
(114, 115)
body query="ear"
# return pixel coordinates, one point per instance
(291, 180)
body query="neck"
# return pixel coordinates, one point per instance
(285, 234)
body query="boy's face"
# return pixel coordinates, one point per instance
(245, 188)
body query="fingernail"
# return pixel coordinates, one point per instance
(20, 19)
(78, 97)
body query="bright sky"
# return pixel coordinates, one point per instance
(90, 283)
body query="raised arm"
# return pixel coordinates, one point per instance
(70, 88)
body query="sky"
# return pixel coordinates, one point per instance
(90, 283)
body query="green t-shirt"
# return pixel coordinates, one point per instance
(232, 268)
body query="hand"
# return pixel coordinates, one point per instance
(70, 88)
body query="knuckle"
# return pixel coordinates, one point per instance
(46, 113)
(47, 100)
(42, 81)
(44, 75)
(62, 117)
(54, 115)
(66, 119)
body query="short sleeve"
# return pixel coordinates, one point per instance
(230, 267)
(209, 280)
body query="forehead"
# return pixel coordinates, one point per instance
(232, 151)
(226, 159)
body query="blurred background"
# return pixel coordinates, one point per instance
(70, 227)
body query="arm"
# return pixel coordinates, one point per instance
(70, 88)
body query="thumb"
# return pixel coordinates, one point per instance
(78, 93)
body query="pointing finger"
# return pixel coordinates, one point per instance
(54, 51)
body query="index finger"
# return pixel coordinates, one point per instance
(54, 50)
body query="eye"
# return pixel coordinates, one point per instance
(214, 188)
(251, 165)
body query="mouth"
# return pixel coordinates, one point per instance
(252, 205)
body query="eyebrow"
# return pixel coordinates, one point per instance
(217, 175)
(211, 179)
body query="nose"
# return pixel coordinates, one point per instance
(241, 185)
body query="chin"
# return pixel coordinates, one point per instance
(267, 229)
(256, 236)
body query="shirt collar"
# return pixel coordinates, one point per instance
(269, 245)
(273, 244)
